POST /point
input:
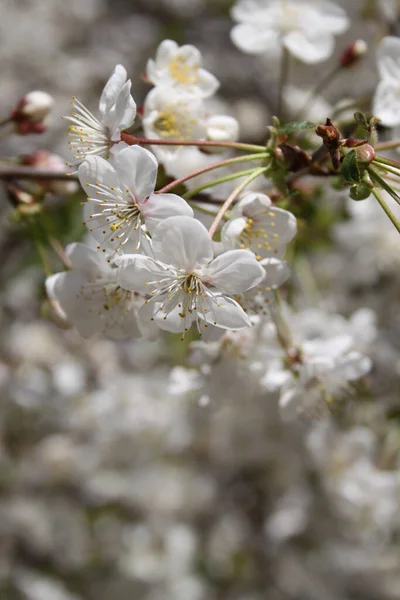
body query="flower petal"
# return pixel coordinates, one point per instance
(234, 271)
(182, 242)
(388, 58)
(94, 170)
(159, 207)
(137, 170)
(139, 273)
(112, 89)
(386, 104)
(309, 47)
(226, 314)
(254, 40)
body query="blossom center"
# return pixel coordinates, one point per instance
(181, 71)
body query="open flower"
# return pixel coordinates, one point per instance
(304, 27)
(259, 299)
(170, 115)
(121, 203)
(386, 103)
(92, 300)
(258, 226)
(90, 135)
(186, 284)
(180, 68)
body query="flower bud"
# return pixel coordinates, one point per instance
(353, 53)
(31, 111)
(43, 159)
(365, 154)
(222, 128)
(360, 191)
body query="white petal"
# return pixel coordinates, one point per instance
(112, 89)
(123, 114)
(330, 17)
(139, 273)
(231, 231)
(254, 40)
(235, 271)
(226, 314)
(386, 104)
(137, 171)
(182, 242)
(276, 272)
(222, 128)
(251, 205)
(95, 169)
(85, 258)
(159, 207)
(207, 83)
(388, 58)
(309, 48)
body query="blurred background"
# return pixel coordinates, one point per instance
(117, 478)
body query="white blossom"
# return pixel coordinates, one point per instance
(304, 27)
(179, 67)
(222, 128)
(386, 103)
(186, 284)
(170, 115)
(258, 226)
(90, 135)
(91, 298)
(121, 203)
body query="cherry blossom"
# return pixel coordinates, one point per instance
(179, 67)
(121, 203)
(91, 298)
(258, 226)
(304, 27)
(186, 283)
(386, 104)
(92, 136)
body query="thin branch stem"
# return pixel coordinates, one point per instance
(388, 145)
(376, 178)
(232, 197)
(283, 77)
(387, 161)
(320, 85)
(132, 140)
(217, 165)
(195, 191)
(386, 208)
(23, 172)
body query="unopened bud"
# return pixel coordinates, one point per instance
(48, 161)
(353, 53)
(31, 111)
(365, 154)
(222, 128)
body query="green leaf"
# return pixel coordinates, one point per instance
(350, 170)
(289, 128)
(360, 191)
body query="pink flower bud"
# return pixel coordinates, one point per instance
(48, 161)
(353, 53)
(31, 111)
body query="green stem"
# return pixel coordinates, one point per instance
(388, 145)
(132, 140)
(320, 85)
(232, 197)
(283, 77)
(387, 161)
(204, 210)
(386, 209)
(222, 163)
(199, 189)
(376, 178)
